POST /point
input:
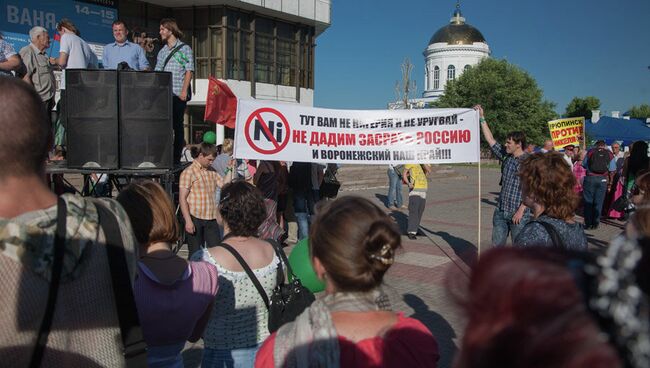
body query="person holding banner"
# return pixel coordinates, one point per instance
(511, 214)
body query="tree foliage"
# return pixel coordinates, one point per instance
(582, 107)
(510, 98)
(640, 112)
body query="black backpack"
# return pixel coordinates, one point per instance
(599, 160)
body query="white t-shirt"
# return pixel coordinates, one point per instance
(80, 56)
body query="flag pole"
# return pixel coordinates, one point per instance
(479, 200)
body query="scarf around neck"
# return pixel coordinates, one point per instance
(311, 340)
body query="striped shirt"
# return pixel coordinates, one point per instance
(202, 184)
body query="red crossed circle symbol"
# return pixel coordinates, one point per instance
(278, 146)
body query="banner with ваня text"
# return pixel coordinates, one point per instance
(288, 132)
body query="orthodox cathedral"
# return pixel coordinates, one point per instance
(453, 49)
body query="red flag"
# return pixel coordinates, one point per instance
(220, 104)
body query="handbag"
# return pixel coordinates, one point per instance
(288, 300)
(330, 186)
(622, 203)
(399, 171)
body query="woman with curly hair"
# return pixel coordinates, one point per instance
(547, 189)
(238, 324)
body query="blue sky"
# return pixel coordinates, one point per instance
(571, 47)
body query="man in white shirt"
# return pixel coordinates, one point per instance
(548, 146)
(74, 53)
(616, 150)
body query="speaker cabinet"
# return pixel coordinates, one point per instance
(90, 107)
(145, 124)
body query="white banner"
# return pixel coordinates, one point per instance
(289, 132)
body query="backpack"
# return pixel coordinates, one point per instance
(599, 160)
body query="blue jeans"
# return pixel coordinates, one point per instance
(394, 189)
(502, 225)
(594, 189)
(167, 356)
(303, 207)
(234, 358)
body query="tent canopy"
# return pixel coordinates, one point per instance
(614, 129)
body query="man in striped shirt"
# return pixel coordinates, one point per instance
(198, 186)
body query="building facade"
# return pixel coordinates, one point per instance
(263, 49)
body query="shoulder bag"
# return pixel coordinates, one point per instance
(55, 278)
(550, 229)
(174, 51)
(134, 347)
(330, 186)
(288, 300)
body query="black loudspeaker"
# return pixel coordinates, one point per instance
(146, 133)
(91, 114)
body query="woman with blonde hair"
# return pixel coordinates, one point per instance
(547, 186)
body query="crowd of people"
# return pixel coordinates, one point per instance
(97, 282)
(36, 67)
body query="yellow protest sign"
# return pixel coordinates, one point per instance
(566, 131)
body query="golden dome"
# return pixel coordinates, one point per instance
(457, 32)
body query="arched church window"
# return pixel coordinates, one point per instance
(451, 72)
(467, 67)
(436, 77)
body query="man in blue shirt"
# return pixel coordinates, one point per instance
(601, 166)
(122, 50)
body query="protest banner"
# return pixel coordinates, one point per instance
(566, 131)
(288, 132)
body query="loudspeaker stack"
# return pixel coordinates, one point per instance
(118, 119)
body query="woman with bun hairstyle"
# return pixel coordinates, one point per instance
(352, 245)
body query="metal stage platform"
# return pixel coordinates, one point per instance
(119, 178)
